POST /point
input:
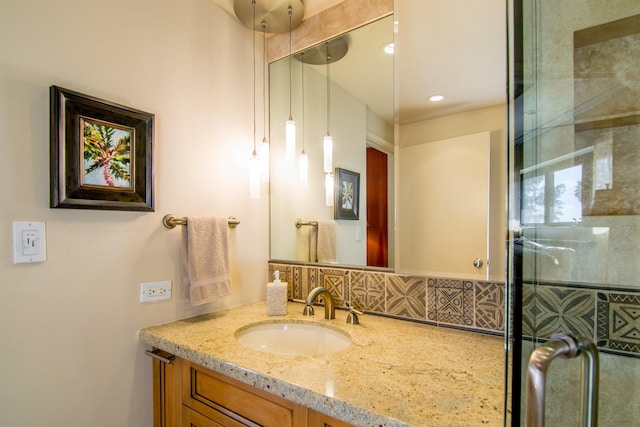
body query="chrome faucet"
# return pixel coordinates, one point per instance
(329, 304)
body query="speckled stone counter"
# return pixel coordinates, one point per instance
(395, 373)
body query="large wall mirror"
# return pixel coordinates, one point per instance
(431, 175)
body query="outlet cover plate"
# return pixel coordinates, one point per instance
(155, 291)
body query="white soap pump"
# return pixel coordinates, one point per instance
(276, 296)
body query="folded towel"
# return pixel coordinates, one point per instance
(205, 259)
(322, 242)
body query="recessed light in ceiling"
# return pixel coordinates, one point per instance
(388, 48)
(436, 98)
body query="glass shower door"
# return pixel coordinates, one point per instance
(574, 233)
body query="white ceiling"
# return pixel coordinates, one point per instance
(456, 48)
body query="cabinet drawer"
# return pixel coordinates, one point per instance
(191, 418)
(213, 394)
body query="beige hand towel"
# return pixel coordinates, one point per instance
(205, 259)
(322, 242)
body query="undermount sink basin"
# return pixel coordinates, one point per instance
(293, 339)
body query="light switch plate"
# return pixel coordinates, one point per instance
(29, 242)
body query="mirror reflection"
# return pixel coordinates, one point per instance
(345, 208)
(445, 160)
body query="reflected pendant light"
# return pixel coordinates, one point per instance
(290, 125)
(254, 162)
(328, 189)
(263, 147)
(327, 145)
(303, 161)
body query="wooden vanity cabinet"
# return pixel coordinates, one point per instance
(189, 395)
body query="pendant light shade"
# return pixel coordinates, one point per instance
(327, 148)
(290, 138)
(303, 165)
(254, 176)
(328, 189)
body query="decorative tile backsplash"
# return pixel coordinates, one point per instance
(472, 305)
(610, 318)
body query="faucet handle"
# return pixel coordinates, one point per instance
(352, 317)
(308, 310)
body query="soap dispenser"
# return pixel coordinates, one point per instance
(276, 296)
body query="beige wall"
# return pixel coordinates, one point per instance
(494, 120)
(69, 352)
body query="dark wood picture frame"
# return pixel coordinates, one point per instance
(101, 154)
(347, 194)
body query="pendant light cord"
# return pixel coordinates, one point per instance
(302, 78)
(290, 16)
(253, 2)
(264, 81)
(328, 90)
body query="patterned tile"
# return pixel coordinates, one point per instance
(367, 290)
(619, 322)
(286, 275)
(490, 305)
(309, 281)
(549, 309)
(336, 281)
(451, 301)
(295, 289)
(406, 296)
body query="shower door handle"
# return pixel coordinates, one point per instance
(566, 347)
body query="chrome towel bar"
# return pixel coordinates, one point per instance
(300, 223)
(170, 221)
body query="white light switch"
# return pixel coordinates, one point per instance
(29, 242)
(358, 233)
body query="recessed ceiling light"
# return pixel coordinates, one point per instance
(388, 48)
(436, 98)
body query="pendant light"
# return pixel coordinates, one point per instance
(254, 162)
(328, 140)
(327, 143)
(303, 161)
(263, 147)
(290, 125)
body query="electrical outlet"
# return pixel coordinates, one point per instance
(155, 291)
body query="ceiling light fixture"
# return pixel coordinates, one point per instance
(290, 125)
(436, 98)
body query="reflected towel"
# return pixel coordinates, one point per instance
(205, 259)
(322, 242)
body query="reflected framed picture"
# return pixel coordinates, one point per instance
(101, 154)
(347, 194)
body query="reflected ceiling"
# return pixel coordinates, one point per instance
(455, 48)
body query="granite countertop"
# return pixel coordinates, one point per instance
(395, 373)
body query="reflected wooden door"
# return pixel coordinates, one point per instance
(377, 209)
